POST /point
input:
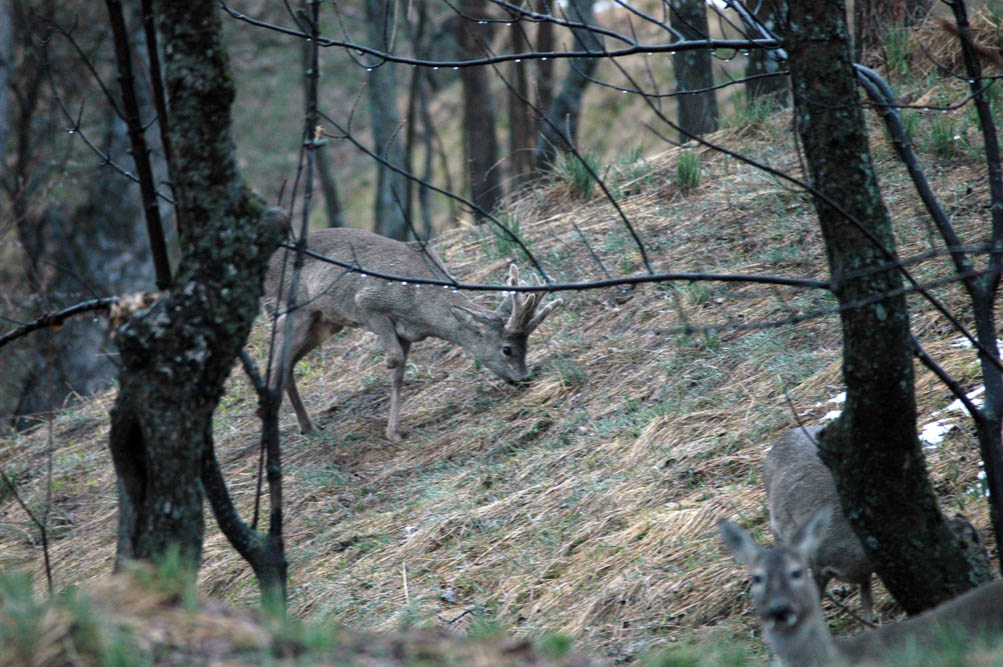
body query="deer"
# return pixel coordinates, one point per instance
(330, 297)
(790, 611)
(798, 484)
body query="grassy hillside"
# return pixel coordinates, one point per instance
(583, 506)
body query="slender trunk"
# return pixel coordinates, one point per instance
(328, 184)
(697, 110)
(560, 128)
(391, 187)
(765, 61)
(544, 67)
(520, 119)
(480, 141)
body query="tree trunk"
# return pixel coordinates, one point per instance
(177, 353)
(520, 118)
(479, 140)
(391, 187)
(544, 67)
(872, 449)
(872, 19)
(697, 111)
(765, 62)
(560, 127)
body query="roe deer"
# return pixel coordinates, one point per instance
(787, 604)
(330, 297)
(798, 484)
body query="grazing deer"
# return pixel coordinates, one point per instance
(798, 484)
(330, 297)
(788, 607)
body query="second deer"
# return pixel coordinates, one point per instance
(787, 603)
(798, 484)
(331, 297)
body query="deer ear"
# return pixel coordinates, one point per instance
(739, 542)
(473, 319)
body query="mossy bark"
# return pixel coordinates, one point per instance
(872, 449)
(177, 353)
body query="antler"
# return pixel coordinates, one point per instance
(521, 306)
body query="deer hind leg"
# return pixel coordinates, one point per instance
(396, 383)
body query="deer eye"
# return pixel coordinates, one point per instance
(757, 579)
(507, 351)
(796, 574)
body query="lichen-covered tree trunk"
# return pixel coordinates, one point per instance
(177, 353)
(697, 110)
(872, 449)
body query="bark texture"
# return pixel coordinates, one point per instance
(872, 449)
(177, 353)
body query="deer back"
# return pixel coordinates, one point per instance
(798, 484)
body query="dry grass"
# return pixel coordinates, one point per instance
(586, 503)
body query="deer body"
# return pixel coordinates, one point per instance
(330, 297)
(787, 603)
(798, 484)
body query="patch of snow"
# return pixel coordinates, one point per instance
(932, 434)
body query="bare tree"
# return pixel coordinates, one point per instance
(325, 174)
(521, 131)
(177, 352)
(763, 68)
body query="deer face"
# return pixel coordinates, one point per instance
(782, 590)
(490, 342)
